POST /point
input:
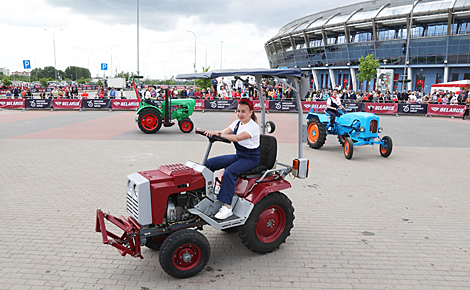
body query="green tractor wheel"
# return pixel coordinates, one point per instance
(149, 120)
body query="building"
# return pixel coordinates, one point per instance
(5, 71)
(20, 73)
(329, 43)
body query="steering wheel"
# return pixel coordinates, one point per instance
(213, 138)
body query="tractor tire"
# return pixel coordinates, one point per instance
(155, 243)
(149, 121)
(348, 147)
(316, 133)
(269, 223)
(186, 125)
(341, 139)
(386, 151)
(270, 127)
(184, 253)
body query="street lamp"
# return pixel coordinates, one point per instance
(112, 60)
(89, 63)
(53, 42)
(385, 62)
(205, 63)
(221, 42)
(194, 48)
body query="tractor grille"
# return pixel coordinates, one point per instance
(373, 126)
(132, 206)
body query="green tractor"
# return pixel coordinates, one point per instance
(151, 116)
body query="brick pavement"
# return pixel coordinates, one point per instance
(367, 223)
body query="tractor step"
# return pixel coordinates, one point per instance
(169, 124)
(207, 208)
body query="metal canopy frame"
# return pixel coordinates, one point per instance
(293, 75)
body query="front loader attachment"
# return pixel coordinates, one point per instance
(129, 242)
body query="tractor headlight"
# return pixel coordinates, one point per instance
(361, 129)
(381, 129)
(136, 190)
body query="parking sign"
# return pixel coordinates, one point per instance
(104, 66)
(27, 64)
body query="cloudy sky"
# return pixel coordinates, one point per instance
(101, 31)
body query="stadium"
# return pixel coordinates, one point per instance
(428, 41)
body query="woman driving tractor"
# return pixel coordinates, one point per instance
(245, 135)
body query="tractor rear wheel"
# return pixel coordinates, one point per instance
(149, 120)
(348, 148)
(316, 133)
(386, 150)
(184, 253)
(269, 223)
(186, 125)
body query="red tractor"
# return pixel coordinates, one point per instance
(170, 205)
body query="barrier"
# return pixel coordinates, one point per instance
(70, 104)
(231, 105)
(446, 110)
(11, 103)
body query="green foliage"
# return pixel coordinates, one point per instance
(43, 82)
(123, 75)
(100, 83)
(6, 81)
(75, 72)
(81, 81)
(368, 68)
(204, 83)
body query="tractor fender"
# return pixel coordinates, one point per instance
(151, 107)
(264, 188)
(322, 117)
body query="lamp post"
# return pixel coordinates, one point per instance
(138, 79)
(205, 63)
(53, 42)
(89, 63)
(111, 75)
(221, 42)
(194, 48)
(385, 62)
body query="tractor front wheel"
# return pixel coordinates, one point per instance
(348, 148)
(342, 138)
(155, 243)
(316, 133)
(186, 125)
(386, 149)
(184, 253)
(269, 224)
(149, 121)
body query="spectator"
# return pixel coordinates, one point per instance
(467, 107)
(16, 93)
(214, 83)
(112, 93)
(191, 93)
(122, 94)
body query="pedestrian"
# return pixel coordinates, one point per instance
(112, 93)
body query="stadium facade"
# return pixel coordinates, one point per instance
(328, 44)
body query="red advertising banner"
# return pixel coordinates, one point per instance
(12, 103)
(257, 105)
(69, 104)
(124, 104)
(3, 92)
(381, 108)
(446, 110)
(318, 107)
(199, 104)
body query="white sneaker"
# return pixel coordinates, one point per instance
(224, 212)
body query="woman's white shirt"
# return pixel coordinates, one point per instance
(252, 128)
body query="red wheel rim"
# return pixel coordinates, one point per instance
(384, 149)
(346, 147)
(149, 121)
(313, 133)
(186, 126)
(186, 257)
(271, 224)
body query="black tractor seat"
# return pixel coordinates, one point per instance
(268, 154)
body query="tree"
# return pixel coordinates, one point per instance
(81, 81)
(6, 81)
(204, 83)
(43, 82)
(368, 68)
(100, 83)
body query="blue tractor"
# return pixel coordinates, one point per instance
(352, 129)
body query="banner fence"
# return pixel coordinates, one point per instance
(231, 105)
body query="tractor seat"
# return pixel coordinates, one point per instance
(268, 154)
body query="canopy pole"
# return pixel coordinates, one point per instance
(300, 114)
(261, 99)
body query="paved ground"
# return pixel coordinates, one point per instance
(401, 222)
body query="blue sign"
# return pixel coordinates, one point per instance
(27, 64)
(104, 66)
